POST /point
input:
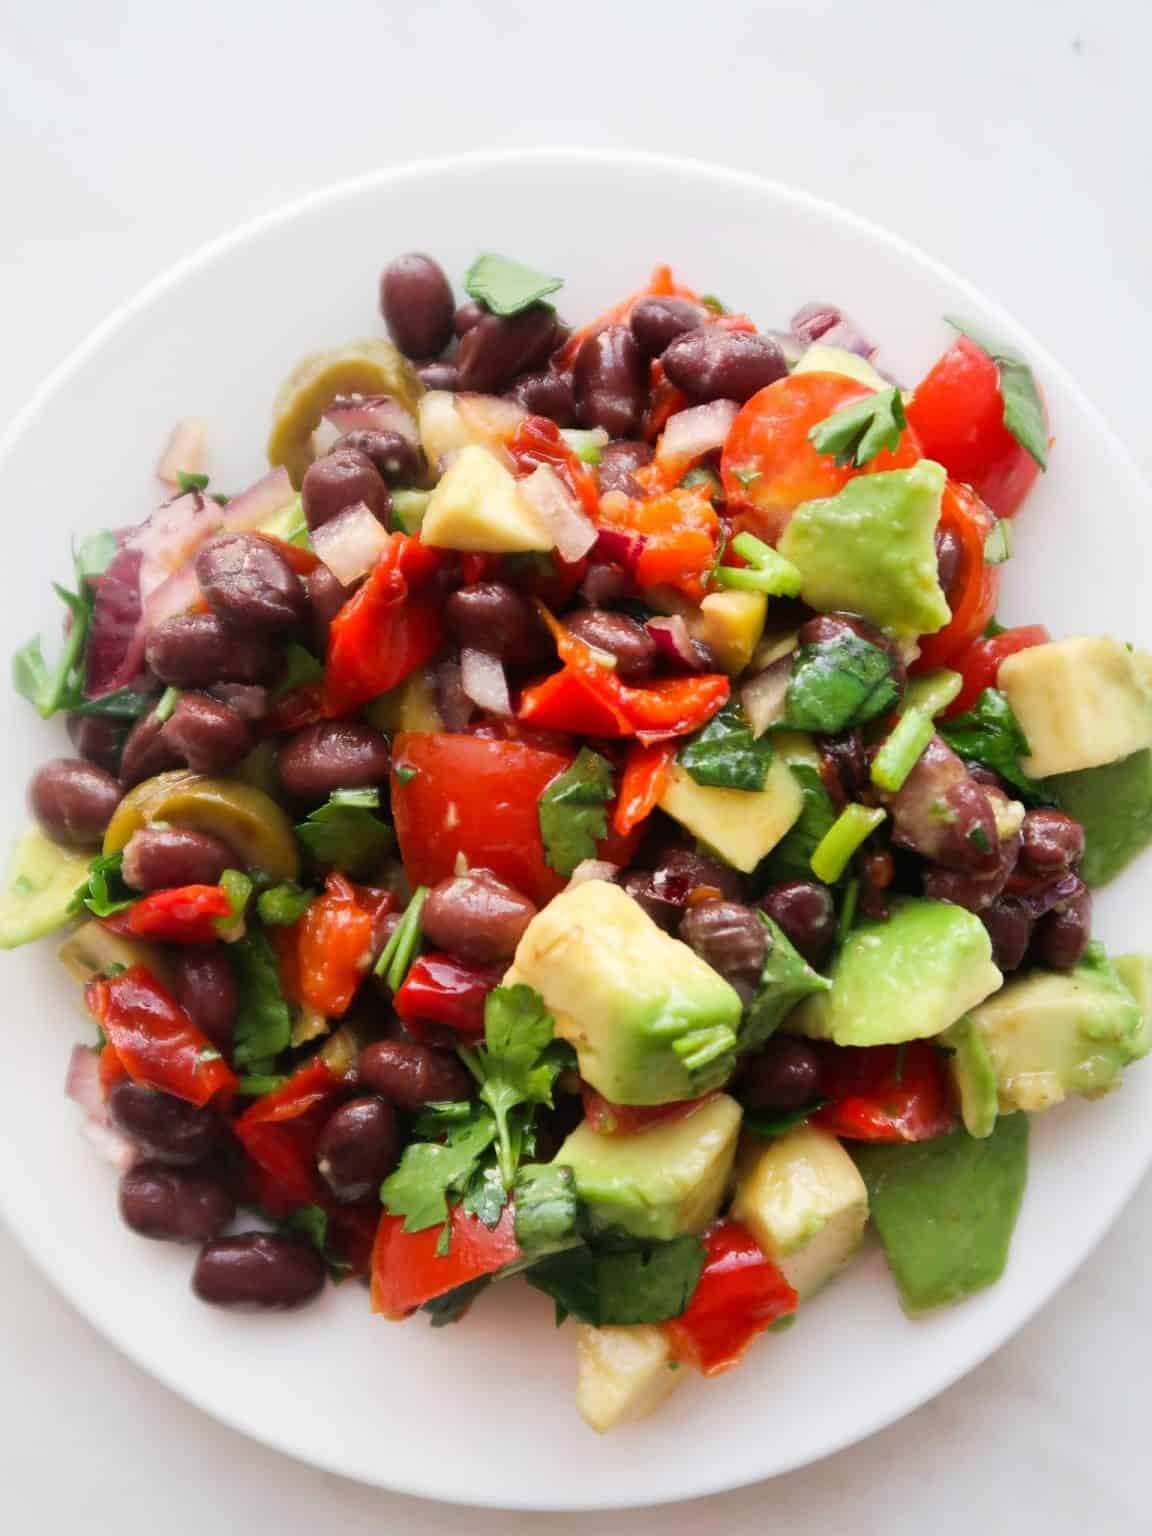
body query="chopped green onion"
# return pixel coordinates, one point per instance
(932, 692)
(400, 950)
(901, 751)
(831, 855)
(165, 705)
(256, 1084)
(283, 905)
(769, 573)
(408, 508)
(998, 544)
(238, 888)
(847, 911)
(700, 1047)
(586, 445)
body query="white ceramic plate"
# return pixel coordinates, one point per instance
(483, 1413)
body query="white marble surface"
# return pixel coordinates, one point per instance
(1013, 140)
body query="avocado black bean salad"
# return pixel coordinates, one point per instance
(578, 816)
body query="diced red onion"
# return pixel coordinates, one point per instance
(620, 546)
(692, 433)
(763, 697)
(351, 543)
(850, 338)
(372, 413)
(184, 452)
(1044, 896)
(811, 321)
(670, 633)
(172, 535)
(115, 649)
(792, 348)
(82, 1084)
(572, 529)
(260, 502)
(114, 1148)
(174, 597)
(483, 680)
(490, 416)
(593, 869)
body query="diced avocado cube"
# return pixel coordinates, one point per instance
(664, 1182)
(1135, 971)
(730, 624)
(822, 359)
(477, 507)
(41, 880)
(945, 1210)
(1080, 702)
(871, 550)
(740, 825)
(906, 979)
(651, 1022)
(623, 1374)
(1113, 803)
(803, 1200)
(974, 1077)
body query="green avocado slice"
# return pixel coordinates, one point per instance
(1113, 804)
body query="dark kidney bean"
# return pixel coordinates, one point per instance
(439, 376)
(806, 915)
(411, 1075)
(358, 1146)
(73, 800)
(156, 858)
(711, 363)
(665, 891)
(468, 314)
(843, 766)
(942, 813)
(396, 458)
(198, 649)
(633, 647)
(492, 616)
(605, 584)
(338, 481)
(731, 938)
(974, 889)
(166, 1129)
(327, 596)
(1050, 841)
(206, 734)
(97, 741)
(174, 1205)
(258, 1270)
(476, 916)
(617, 462)
(1061, 937)
(948, 556)
(787, 1074)
(1009, 927)
(498, 348)
(611, 382)
(547, 394)
(248, 583)
(656, 322)
(146, 753)
(417, 304)
(205, 985)
(638, 885)
(336, 754)
(248, 700)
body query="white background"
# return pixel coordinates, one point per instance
(1011, 139)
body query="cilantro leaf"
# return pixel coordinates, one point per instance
(1023, 411)
(485, 1197)
(300, 666)
(311, 1221)
(646, 1283)
(548, 1209)
(839, 683)
(507, 286)
(344, 831)
(792, 855)
(785, 980)
(186, 482)
(726, 755)
(105, 891)
(573, 811)
(989, 733)
(264, 1022)
(451, 1307)
(514, 1066)
(429, 1171)
(858, 432)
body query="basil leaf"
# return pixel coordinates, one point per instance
(1023, 411)
(858, 432)
(647, 1283)
(506, 286)
(344, 832)
(573, 811)
(989, 733)
(264, 1022)
(725, 754)
(791, 857)
(839, 683)
(785, 980)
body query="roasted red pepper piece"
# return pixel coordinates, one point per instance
(280, 1132)
(335, 943)
(741, 1292)
(886, 1092)
(407, 1271)
(537, 441)
(186, 914)
(973, 595)
(645, 776)
(444, 991)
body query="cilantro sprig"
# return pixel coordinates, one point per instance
(105, 891)
(573, 811)
(856, 433)
(346, 832)
(514, 1067)
(632, 1283)
(62, 686)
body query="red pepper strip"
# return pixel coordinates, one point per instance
(442, 990)
(537, 441)
(280, 1133)
(980, 664)
(886, 1092)
(575, 702)
(155, 1040)
(111, 1069)
(677, 531)
(661, 285)
(336, 943)
(610, 1119)
(407, 1271)
(645, 775)
(385, 630)
(186, 914)
(301, 706)
(740, 1293)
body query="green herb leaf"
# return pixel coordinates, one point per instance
(785, 980)
(283, 905)
(506, 286)
(300, 666)
(255, 1085)
(430, 1171)
(989, 733)
(346, 833)
(486, 1197)
(856, 433)
(573, 811)
(648, 1283)
(189, 482)
(105, 891)
(514, 1066)
(775, 1122)
(405, 772)
(451, 1307)
(94, 555)
(264, 1022)
(238, 887)
(398, 954)
(710, 301)
(548, 1209)
(725, 754)
(1023, 411)
(791, 859)
(839, 683)
(123, 704)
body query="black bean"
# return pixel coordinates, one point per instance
(476, 916)
(948, 556)
(97, 741)
(806, 915)
(198, 649)
(468, 314)
(711, 363)
(417, 304)
(73, 800)
(205, 986)
(157, 858)
(942, 813)
(630, 643)
(395, 456)
(617, 463)
(411, 1075)
(258, 1269)
(1061, 937)
(357, 1147)
(1009, 927)
(340, 480)
(336, 754)
(787, 1074)
(174, 1205)
(656, 322)
(206, 734)
(166, 1129)
(547, 394)
(610, 378)
(499, 348)
(1050, 841)
(492, 616)
(439, 376)
(975, 889)
(731, 938)
(247, 582)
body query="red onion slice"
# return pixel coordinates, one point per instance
(483, 680)
(372, 413)
(351, 543)
(831, 327)
(115, 648)
(172, 535)
(183, 453)
(670, 633)
(453, 705)
(693, 433)
(572, 529)
(763, 697)
(173, 597)
(260, 502)
(82, 1084)
(620, 546)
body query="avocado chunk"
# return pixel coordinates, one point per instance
(803, 1200)
(1080, 702)
(39, 886)
(906, 979)
(651, 1022)
(1113, 803)
(664, 1182)
(623, 1373)
(741, 825)
(945, 1210)
(786, 979)
(870, 550)
(730, 624)
(1046, 1035)
(477, 506)
(822, 359)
